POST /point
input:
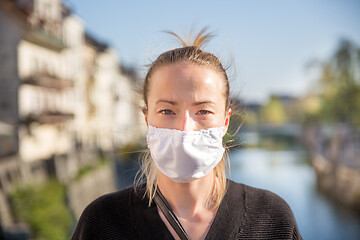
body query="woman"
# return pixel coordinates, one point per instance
(186, 195)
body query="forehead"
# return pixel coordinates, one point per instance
(186, 80)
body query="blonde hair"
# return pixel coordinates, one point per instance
(190, 52)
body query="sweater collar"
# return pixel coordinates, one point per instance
(225, 225)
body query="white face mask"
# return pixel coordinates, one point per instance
(184, 156)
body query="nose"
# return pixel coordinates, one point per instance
(186, 122)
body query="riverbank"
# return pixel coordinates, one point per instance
(341, 182)
(78, 180)
(335, 151)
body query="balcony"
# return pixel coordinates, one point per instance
(48, 81)
(45, 39)
(47, 117)
(55, 117)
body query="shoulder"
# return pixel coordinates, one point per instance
(108, 204)
(265, 212)
(111, 200)
(116, 202)
(265, 200)
(107, 214)
(256, 197)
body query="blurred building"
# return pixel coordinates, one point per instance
(63, 95)
(46, 89)
(126, 133)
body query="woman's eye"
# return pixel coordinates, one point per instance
(167, 112)
(204, 112)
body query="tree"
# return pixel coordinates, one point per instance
(273, 112)
(340, 85)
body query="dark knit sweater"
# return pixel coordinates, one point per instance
(244, 213)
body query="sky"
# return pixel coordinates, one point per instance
(266, 44)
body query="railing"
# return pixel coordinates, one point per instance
(47, 117)
(41, 37)
(48, 81)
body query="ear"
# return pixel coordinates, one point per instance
(144, 111)
(227, 120)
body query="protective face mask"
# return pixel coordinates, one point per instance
(184, 156)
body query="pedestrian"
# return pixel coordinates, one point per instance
(186, 194)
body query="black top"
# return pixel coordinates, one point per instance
(244, 213)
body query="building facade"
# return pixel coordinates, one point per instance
(63, 96)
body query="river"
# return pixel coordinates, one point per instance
(289, 174)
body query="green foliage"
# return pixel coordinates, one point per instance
(273, 112)
(340, 86)
(43, 208)
(232, 141)
(83, 171)
(129, 152)
(231, 138)
(251, 118)
(277, 142)
(90, 168)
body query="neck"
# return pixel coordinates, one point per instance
(187, 199)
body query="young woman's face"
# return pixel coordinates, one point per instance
(186, 97)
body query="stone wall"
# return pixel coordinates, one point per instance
(6, 218)
(91, 186)
(340, 181)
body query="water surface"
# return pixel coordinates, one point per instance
(288, 174)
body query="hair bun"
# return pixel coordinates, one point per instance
(200, 40)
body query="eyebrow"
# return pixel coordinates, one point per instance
(203, 102)
(194, 104)
(166, 101)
